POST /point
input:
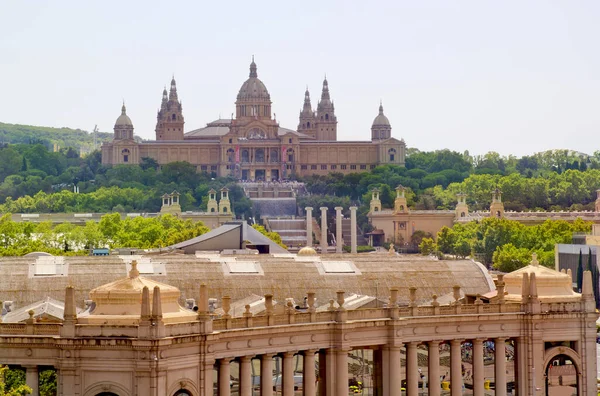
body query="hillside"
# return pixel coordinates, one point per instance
(64, 137)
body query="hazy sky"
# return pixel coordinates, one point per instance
(515, 77)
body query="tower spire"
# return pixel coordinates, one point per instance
(253, 68)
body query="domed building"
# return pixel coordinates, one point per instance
(251, 145)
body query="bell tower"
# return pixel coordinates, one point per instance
(462, 209)
(326, 119)
(497, 207)
(169, 124)
(400, 204)
(375, 204)
(307, 117)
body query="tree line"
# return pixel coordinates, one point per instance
(506, 244)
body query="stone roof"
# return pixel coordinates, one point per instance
(221, 127)
(121, 300)
(283, 275)
(46, 310)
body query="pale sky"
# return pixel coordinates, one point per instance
(515, 77)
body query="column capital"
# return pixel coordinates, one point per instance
(308, 208)
(413, 343)
(245, 358)
(353, 208)
(267, 356)
(338, 208)
(459, 341)
(288, 354)
(434, 342)
(498, 339)
(309, 352)
(324, 208)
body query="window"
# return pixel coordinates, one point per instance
(125, 153)
(303, 167)
(343, 167)
(391, 153)
(230, 155)
(353, 167)
(203, 168)
(313, 167)
(372, 167)
(333, 167)
(307, 125)
(245, 156)
(213, 167)
(230, 140)
(290, 140)
(327, 116)
(363, 167)
(391, 157)
(174, 117)
(259, 155)
(323, 167)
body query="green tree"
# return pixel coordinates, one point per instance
(508, 258)
(427, 246)
(12, 382)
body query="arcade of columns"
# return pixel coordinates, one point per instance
(338, 229)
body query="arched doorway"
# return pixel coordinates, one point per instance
(562, 376)
(107, 394)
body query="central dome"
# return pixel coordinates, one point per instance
(123, 119)
(253, 89)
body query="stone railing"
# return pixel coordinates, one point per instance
(290, 317)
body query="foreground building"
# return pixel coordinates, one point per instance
(444, 324)
(252, 145)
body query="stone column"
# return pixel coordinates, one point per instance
(287, 383)
(32, 379)
(224, 377)
(308, 370)
(394, 371)
(455, 368)
(246, 376)
(478, 368)
(339, 241)
(412, 369)
(353, 229)
(341, 372)
(266, 375)
(500, 366)
(323, 229)
(308, 225)
(433, 371)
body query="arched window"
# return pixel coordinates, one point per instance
(245, 156)
(225, 209)
(308, 124)
(462, 214)
(212, 210)
(125, 153)
(274, 156)
(401, 208)
(230, 155)
(182, 392)
(327, 116)
(392, 154)
(107, 394)
(290, 154)
(174, 117)
(259, 155)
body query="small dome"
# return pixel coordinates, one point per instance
(551, 285)
(123, 119)
(121, 300)
(253, 88)
(381, 119)
(307, 251)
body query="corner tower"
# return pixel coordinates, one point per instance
(307, 117)
(123, 126)
(326, 120)
(381, 128)
(169, 124)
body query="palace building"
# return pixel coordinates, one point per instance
(252, 145)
